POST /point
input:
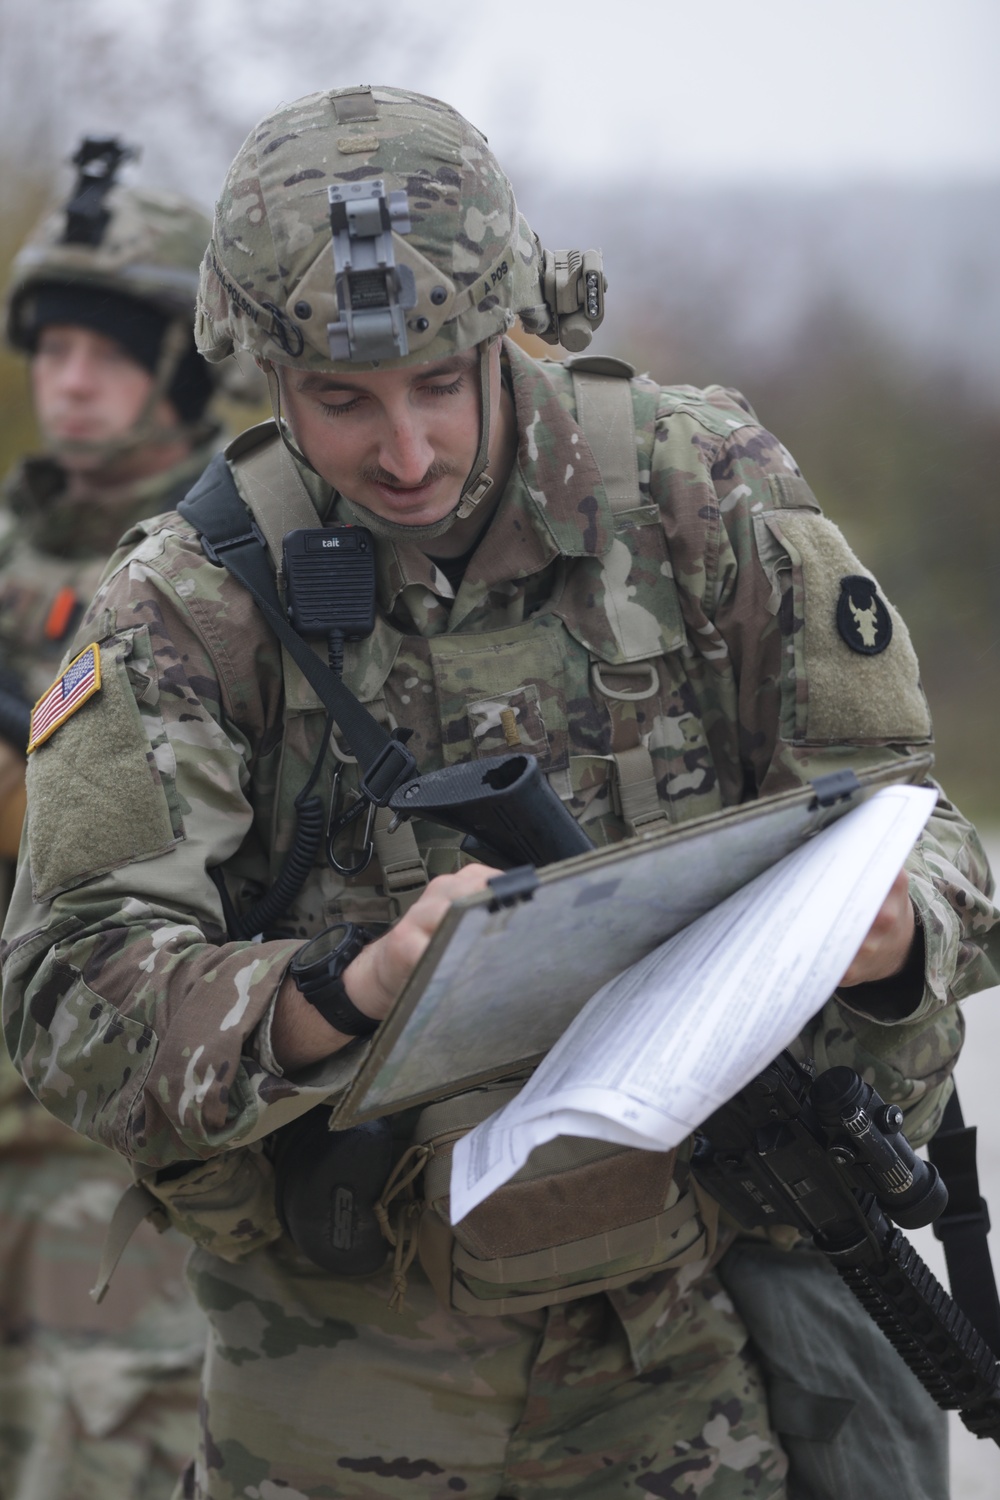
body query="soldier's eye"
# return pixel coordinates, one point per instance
(446, 390)
(338, 408)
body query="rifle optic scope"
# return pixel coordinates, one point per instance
(866, 1132)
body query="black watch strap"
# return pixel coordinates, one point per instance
(339, 1010)
(317, 968)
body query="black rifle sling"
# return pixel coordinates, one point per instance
(965, 1223)
(230, 539)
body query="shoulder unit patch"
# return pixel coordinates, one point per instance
(80, 681)
(862, 618)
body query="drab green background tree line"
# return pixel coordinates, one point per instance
(901, 457)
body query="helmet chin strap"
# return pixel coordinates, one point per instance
(145, 431)
(274, 391)
(394, 531)
(477, 485)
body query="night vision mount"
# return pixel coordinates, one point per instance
(98, 159)
(373, 293)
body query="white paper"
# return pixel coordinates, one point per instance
(661, 1046)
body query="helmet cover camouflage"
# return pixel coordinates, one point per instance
(149, 247)
(363, 209)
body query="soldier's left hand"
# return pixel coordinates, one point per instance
(377, 976)
(887, 947)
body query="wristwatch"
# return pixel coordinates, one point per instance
(317, 968)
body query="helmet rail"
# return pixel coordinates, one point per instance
(98, 160)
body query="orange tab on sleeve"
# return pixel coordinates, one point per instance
(64, 607)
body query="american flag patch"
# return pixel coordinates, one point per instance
(80, 681)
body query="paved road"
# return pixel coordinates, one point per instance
(975, 1464)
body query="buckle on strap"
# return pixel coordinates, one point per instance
(392, 766)
(213, 549)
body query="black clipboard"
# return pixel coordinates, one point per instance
(510, 968)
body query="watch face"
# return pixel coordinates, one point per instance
(321, 947)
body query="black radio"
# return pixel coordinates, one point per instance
(330, 582)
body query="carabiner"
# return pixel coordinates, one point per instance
(336, 825)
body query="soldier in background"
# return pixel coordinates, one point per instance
(94, 1402)
(659, 626)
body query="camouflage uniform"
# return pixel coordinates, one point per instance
(94, 1402)
(696, 628)
(53, 549)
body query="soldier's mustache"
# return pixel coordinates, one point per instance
(375, 474)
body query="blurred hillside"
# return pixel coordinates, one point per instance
(738, 272)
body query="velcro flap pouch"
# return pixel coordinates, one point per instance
(852, 672)
(97, 800)
(581, 1216)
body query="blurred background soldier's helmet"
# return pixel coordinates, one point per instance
(372, 226)
(124, 262)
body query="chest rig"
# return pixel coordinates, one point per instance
(590, 680)
(585, 667)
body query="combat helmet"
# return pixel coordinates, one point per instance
(366, 228)
(126, 261)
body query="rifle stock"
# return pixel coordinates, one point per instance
(503, 804)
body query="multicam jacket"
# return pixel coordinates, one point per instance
(53, 550)
(697, 628)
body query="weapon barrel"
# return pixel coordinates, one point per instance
(770, 1157)
(928, 1330)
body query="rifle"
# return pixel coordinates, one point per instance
(827, 1155)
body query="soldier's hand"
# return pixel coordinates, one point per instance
(378, 974)
(374, 980)
(886, 948)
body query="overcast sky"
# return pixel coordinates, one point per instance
(774, 91)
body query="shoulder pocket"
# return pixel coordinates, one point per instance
(851, 673)
(96, 798)
(225, 1205)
